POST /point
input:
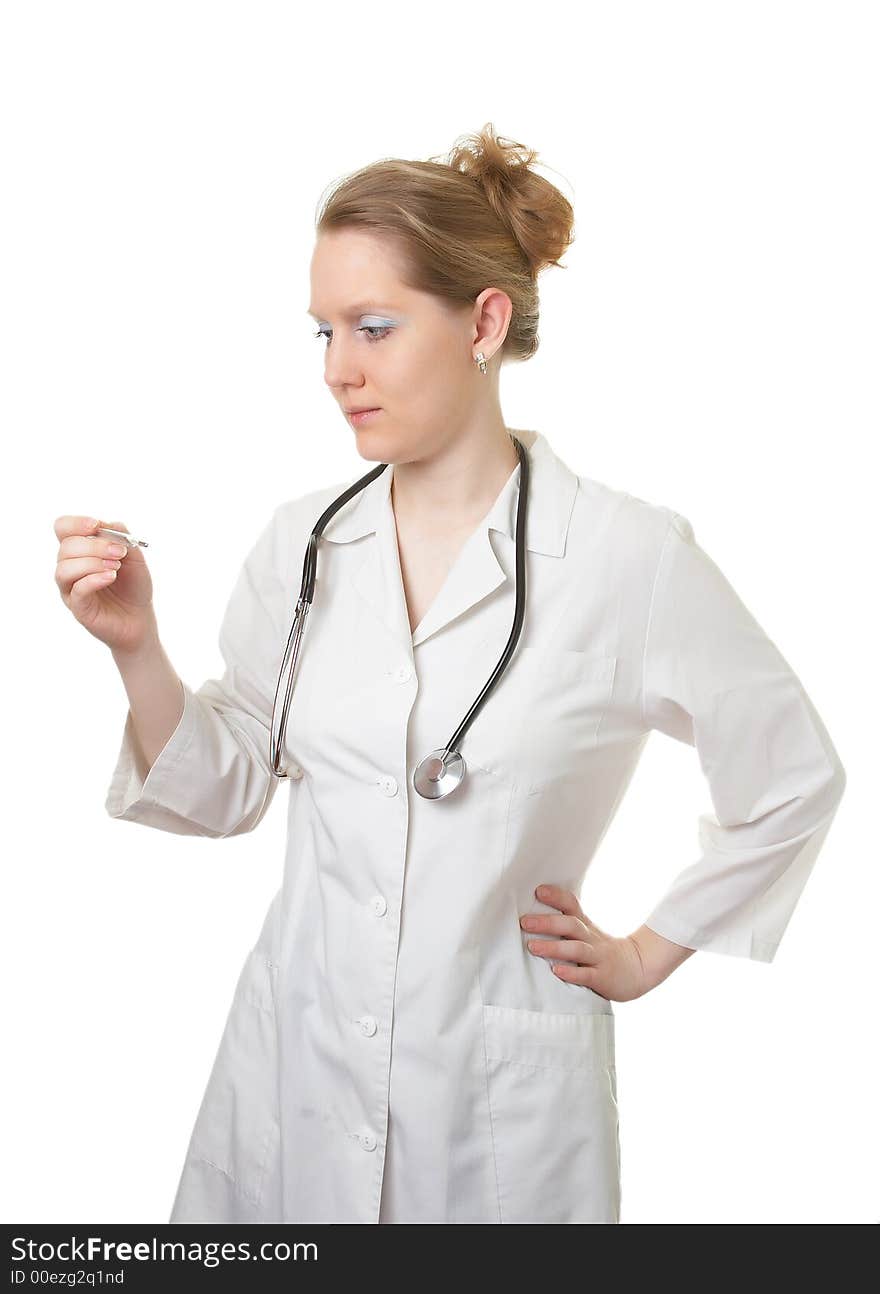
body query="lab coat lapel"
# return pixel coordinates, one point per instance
(477, 571)
(374, 569)
(475, 574)
(378, 578)
(485, 561)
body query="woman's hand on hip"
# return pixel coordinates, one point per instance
(582, 954)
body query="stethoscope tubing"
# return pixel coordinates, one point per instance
(443, 769)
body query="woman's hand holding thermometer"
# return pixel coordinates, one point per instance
(105, 583)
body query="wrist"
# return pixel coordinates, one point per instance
(659, 956)
(148, 649)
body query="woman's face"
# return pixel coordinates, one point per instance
(389, 347)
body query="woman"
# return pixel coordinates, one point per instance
(424, 1030)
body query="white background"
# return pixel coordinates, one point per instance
(711, 346)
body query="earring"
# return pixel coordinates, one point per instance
(480, 359)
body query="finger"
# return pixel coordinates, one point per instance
(569, 950)
(582, 976)
(74, 525)
(567, 901)
(90, 546)
(556, 897)
(89, 585)
(74, 568)
(550, 923)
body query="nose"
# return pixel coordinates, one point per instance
(342, 368)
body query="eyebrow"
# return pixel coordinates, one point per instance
(352, 312)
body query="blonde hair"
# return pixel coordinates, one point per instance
(477, 218)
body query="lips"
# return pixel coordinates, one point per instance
(362, 417)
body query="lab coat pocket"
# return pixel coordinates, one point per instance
(237, 1127)
(552, 1088)
(541, 726)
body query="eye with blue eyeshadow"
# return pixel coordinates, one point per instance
(375, 332)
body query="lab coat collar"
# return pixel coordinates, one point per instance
(552, 488)
(477, 571)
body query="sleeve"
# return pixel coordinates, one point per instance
(213, 777)
(713, 679)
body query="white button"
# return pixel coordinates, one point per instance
(295, 772)
(403, 674)
(388, 785)
(378, 904)
(367, 1140)
(368, 1025)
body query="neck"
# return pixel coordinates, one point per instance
(454, 488)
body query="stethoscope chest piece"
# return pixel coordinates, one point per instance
(439, 773)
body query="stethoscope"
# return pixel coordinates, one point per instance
(439, 773)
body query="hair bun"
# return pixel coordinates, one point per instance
(492, 159)
(535, 212)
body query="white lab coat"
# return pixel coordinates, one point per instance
(394, 1052)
